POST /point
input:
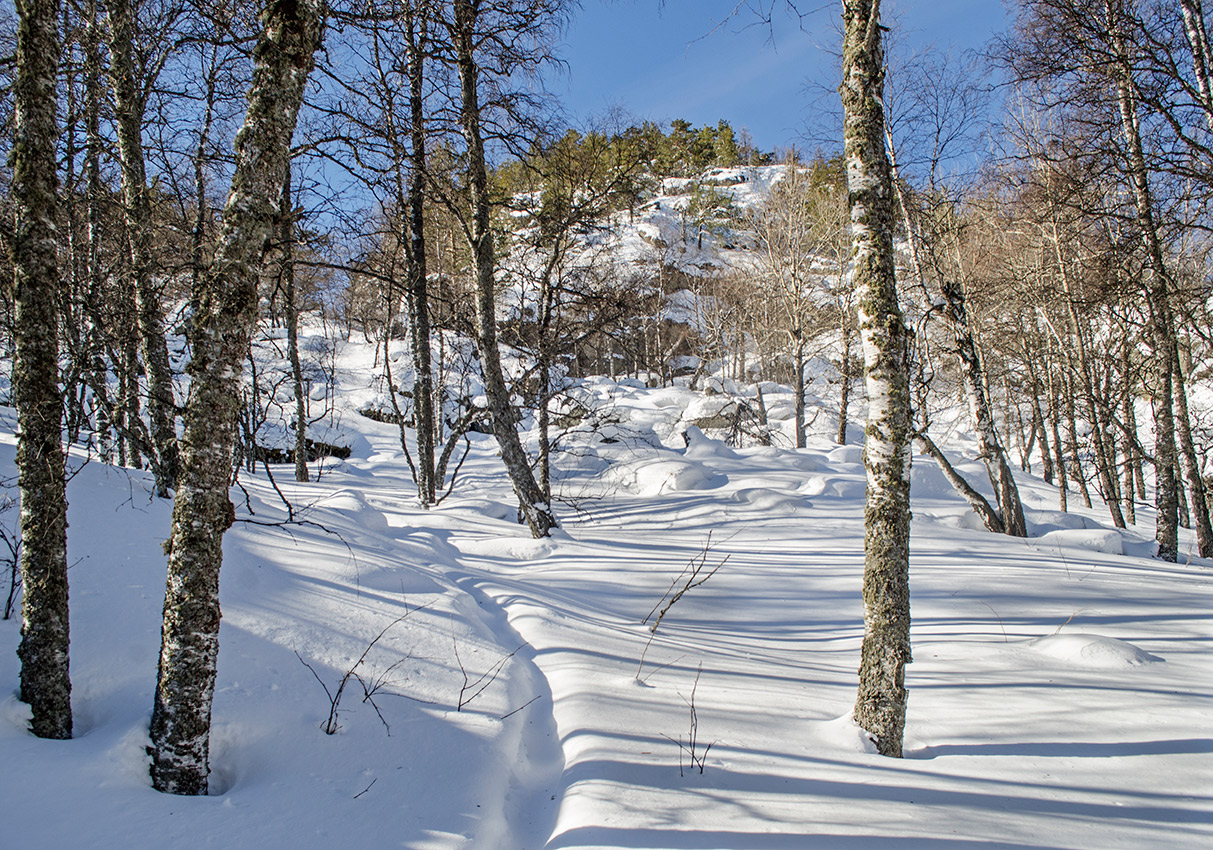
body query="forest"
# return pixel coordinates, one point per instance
(455, 388)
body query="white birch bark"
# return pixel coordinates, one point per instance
(880, 705)
(219, 336)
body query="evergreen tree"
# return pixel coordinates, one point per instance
(726, 150)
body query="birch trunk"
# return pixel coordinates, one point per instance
(992, 453)
(286, 239)
(1202, 55)
(798, 386)
(844, 401)
(1199, 503)
(98, 372)
(150, 312)
(880, 705)
(219, 335)
(417, 296)
(532, 505)
(1161, 324)
(45, 683)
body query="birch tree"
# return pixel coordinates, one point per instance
(880, 706)
(130, 101)
(45, 682)
(219, 335)
(473, 30)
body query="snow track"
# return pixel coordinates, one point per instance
(521, 797)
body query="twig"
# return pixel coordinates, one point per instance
(330, 725)
(1067, 622)
(367, 788)
(481, 684)
(695, 578)
(659, 668)
(1005, 639)
(521, 707)
(699, 758)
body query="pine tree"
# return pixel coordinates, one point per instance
(727, 153)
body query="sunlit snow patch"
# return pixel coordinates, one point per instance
(666, 476)
(1097, 540)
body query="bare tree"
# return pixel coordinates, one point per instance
(219, 335)
(477, 34)
(800, 229)
(880, 706)
(45, 681)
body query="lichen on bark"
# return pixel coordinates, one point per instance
(219, 335)
(880, 703)
(45, 680)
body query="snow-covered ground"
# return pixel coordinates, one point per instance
(1060, 692)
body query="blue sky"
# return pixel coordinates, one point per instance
(676, 60)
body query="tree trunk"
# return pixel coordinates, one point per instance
(150, 312)
(533, 506)
(977, 502)
(286, 239)
(417, 299)
(990, 447)
(844, 401)
(1199, 503)
(880, 705)
(1161, 325)
(1038, 419)
(1202, 54)
(798, 385)
(98, 372)
(45, 683)
(220, 333)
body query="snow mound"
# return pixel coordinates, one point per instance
(702, 447)
(351, 504)
(1095, 651)
(841, 734)
(846, 455)
(1097, 540)
(1042, 522)
(769, 501)
(666, 476)
(843, 488)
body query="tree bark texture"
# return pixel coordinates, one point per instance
(535, 509)
(128, 116)
(45, 683)
(219, 335)
(880, 706)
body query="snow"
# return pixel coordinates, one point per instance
(1059, 695)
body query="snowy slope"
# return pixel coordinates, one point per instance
(1059, 695)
